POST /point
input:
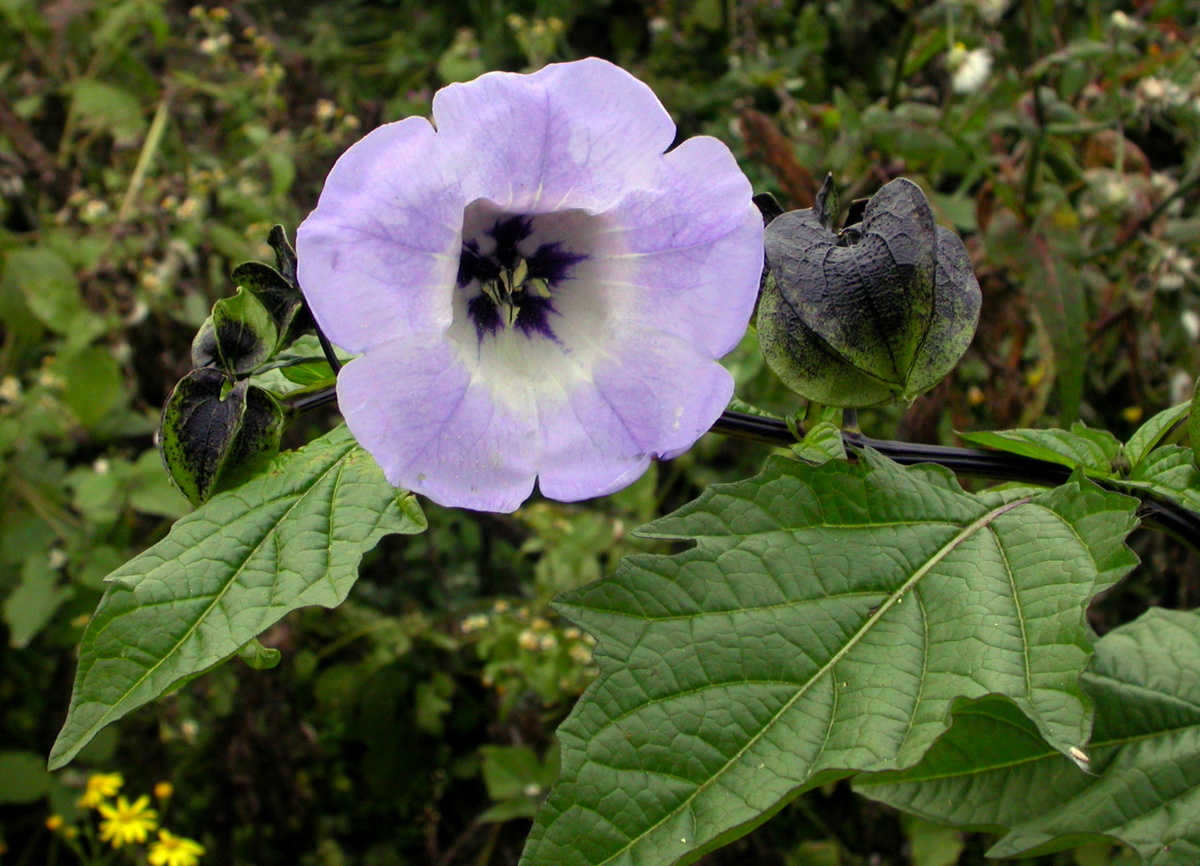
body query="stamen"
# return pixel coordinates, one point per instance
(517, 280)
(520, 273)
(492, 289)
(505, 290)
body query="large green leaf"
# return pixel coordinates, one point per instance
(826, 622)
(290, 538)
(993, 771)
(998, 738)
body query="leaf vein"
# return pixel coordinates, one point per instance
(968, 531)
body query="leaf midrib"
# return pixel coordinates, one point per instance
(967, 532)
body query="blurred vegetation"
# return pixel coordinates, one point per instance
(146, 147)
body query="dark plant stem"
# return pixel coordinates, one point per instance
(997, 465)
(327, 348)
(311, 400)
(965, 461)
(1163, 514)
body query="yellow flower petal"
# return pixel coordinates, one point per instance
(127, 823)
(172, 850)
(99, 788)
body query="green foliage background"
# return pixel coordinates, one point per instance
(147, 147)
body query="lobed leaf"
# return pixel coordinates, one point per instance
(1169, 471)
(1151, 434)
(1092, 450)
(287, 539)
(1142, 786)
(827, 621)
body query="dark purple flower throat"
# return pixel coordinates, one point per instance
(512, 277)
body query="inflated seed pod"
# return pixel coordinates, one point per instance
(880, 310)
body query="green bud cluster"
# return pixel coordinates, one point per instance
(217, 429)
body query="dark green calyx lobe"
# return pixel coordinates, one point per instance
(217, 433)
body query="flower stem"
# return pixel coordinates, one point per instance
(310, 400)
(327, 348)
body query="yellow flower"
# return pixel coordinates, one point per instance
(172, 850)
(164, 790)
(127, 823)
(55, 823)
(99, 788)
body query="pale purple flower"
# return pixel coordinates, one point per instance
(535, 288)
